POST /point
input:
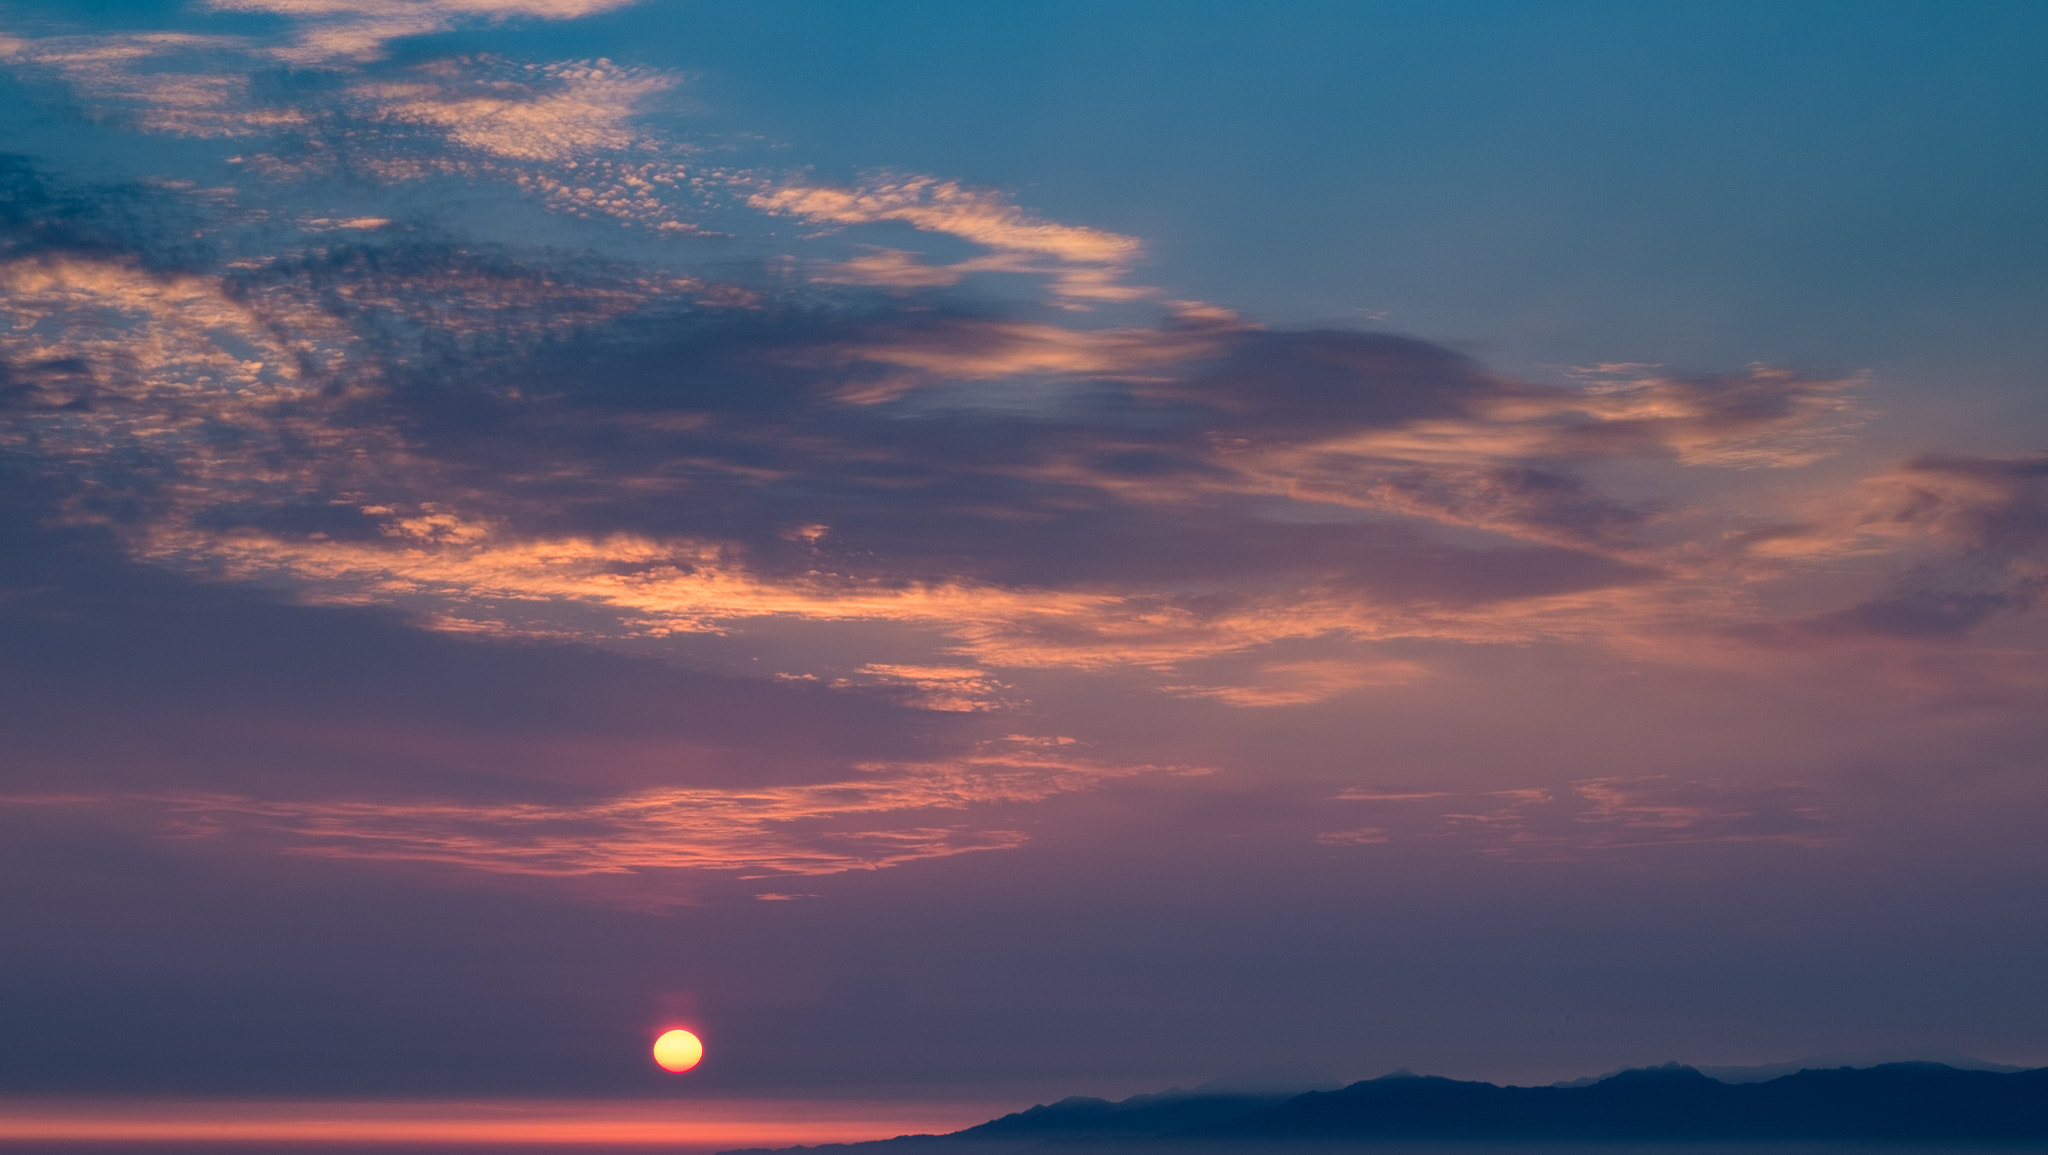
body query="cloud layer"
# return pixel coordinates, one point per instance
(918, 476)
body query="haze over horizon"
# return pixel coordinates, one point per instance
(968, 555)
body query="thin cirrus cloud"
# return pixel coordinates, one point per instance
(950, 689)
(1303, 682)
(1593, 816)
(1085, 264)
(331, 30)
(890, 814)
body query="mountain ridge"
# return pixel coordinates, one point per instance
(1673, 1102)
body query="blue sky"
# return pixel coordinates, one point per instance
(1562, 184)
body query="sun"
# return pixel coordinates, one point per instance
(678, 1051)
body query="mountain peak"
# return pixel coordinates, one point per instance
(1663, 1073)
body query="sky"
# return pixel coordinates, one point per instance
(978, 553)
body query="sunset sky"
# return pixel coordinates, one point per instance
(984, 552)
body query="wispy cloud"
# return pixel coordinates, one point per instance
(1086, 264)
(952, 689)
(330, 30)
(1305, 682)
(1593, 816)
(159, 81)
(890, 814)
(1976, 529)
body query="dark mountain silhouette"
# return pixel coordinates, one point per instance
(1764, 1072)
(1076, 1120)
(1895, 1101)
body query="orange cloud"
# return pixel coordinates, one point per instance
(1087, 264)
(947, 207)
(1306, 682)
(436, 561)
(887, 268)
(1957, 504)
(583, 108)
(978, 350)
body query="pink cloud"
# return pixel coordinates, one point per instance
(890, 814)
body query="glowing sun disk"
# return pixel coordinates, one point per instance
(678, 1051)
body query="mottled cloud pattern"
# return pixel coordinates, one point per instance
(925, 439)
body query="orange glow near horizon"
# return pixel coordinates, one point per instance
(678, 1050)
(711, 1124)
